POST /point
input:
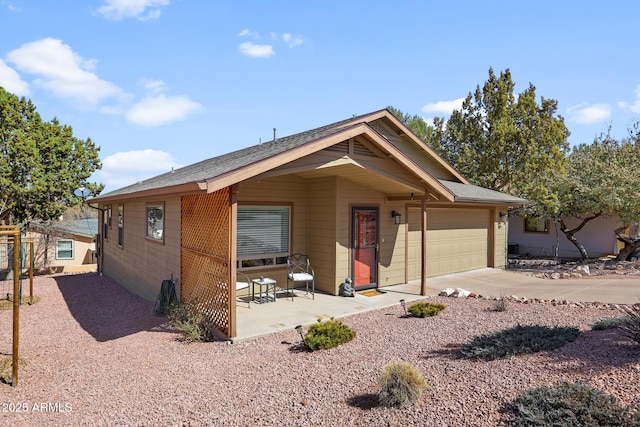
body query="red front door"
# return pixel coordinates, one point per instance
(365, 247)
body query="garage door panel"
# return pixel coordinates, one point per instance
(457, 240)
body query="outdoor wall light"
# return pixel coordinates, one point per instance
(397, 218)
(404, 306)
(503, 216)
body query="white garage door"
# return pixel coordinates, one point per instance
(457, 240)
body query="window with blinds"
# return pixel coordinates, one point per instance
(263, 235)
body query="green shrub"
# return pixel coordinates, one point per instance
(401, 384)
(328, 334)
(630, 322)
(604, 324)
(425, 309)
(518, 340)
(566, 405)
(191, 320)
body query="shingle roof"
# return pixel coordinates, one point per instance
(87, 227)
(218, 166)
(473, 193)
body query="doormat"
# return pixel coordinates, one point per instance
(371, 293)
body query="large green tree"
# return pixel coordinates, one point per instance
(500, 141)
(509, 144)
(42, 165)
(602, 178)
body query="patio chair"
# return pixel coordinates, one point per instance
(299, 270)
(243, 282)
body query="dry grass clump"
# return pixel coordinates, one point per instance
(401, 384)
(6, 368)
(7, 303)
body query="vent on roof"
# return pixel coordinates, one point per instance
(382, 130)
(342, 147)
(362, 150)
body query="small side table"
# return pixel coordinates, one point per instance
(267, 290)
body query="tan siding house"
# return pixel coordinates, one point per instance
(363, 198)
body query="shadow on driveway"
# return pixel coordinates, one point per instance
(106, 310)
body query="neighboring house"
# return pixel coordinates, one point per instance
(63, 246)
(362, 197)
(537, 237)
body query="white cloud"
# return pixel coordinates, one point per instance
(443, 107)
(143, 160)
(247, 33)
(160, 110)
(11, 81)
(62, 71)
(119, 9)
(291, 40)
(153, 85)
(128, 167)
(256, 50)
(588, 114)
(635, 107)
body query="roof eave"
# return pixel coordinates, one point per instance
(512, 202)
(190, 187)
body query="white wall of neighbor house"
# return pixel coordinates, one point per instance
(597, 236)
(81, 247)
(141, 264)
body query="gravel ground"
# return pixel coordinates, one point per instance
(96, 355)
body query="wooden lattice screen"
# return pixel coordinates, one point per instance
(206, 256)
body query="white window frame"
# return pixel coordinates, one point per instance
(58, 249)
(253, 224)
(154, 228)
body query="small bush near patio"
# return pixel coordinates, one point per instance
(568, 405)
(425, 309)
(329, 334)
(604, 324)
(518, 340)
(630, 322)
(189, 318)
(401, 384)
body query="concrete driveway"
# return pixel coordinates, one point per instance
(493, 282)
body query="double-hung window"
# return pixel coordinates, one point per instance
(120, 225)
(264, 235)
(106, 222)
(155, 221)
(64, 249)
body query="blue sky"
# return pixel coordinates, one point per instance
(165, 83)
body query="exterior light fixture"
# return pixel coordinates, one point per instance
(299, 329)
(397, 218)
(503, 216)
(404, 306)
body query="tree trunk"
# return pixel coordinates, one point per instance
(571, 234)
(630, 245)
